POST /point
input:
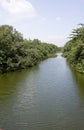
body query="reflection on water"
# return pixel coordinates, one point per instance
(49, 96)
(79, 78)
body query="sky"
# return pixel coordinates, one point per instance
(50, 21)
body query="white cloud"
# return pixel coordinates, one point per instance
(18, 8)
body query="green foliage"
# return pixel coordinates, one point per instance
(74, 49)
(17, 53)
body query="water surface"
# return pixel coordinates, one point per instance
(49, 96)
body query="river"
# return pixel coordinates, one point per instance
(49, 96)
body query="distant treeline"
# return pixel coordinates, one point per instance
(18, 53)
(74, 49)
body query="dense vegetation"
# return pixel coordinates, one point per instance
(18, 53)
(74, 49)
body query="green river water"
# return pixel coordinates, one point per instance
(49, 96)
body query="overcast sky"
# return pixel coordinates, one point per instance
(48, 20)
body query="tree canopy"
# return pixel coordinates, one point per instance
(18, 53)
(74, 48)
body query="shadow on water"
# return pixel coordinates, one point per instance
(79, 79)
(9, 82)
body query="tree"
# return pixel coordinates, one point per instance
(17, 53)
(74, 49)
